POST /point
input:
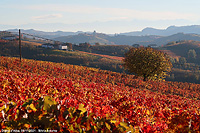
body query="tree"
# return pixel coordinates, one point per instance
(192, 54)
(85, 45)
(69, 46)
(97, 43)
(182, 60)
(148, 63)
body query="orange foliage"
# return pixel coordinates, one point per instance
(148, 106)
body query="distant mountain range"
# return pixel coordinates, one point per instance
(192, 29)
(48, 35)
(127, 40)
(145, 37)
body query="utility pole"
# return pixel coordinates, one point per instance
(20, 49)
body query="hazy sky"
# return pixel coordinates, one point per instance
(107, 16)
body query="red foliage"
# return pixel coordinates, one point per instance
(150, 106)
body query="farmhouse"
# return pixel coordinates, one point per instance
(62, 47)
(153, 45)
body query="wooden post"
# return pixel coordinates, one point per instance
(20, 50)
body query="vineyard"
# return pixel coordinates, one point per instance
(68, 98)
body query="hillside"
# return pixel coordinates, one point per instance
(68, 98)
(127, 40)
(31, 43)
(106, 39)
(181, 48)
(30, 51)
(84, 37)
(108, 57)
(177, 37)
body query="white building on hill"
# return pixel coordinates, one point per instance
(62, 47)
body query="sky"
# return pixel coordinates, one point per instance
(103, 16)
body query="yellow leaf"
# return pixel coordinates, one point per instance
(81, 107)
(95, 128)
(48, 102)
(113, 121)
(124, 125)
(148, 113)
(27, 126)
(32, 107)
(41, 115)
(2, 108)
(6, 107)
(108, 126)
(17, 112)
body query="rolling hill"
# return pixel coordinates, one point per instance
(127, 40)
(84, 37)
(181, 48)
(145, 37)
(106, 39)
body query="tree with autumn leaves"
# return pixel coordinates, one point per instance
(148, 63)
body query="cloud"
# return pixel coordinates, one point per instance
(49, 16)
(130, 14)
(91, 13)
